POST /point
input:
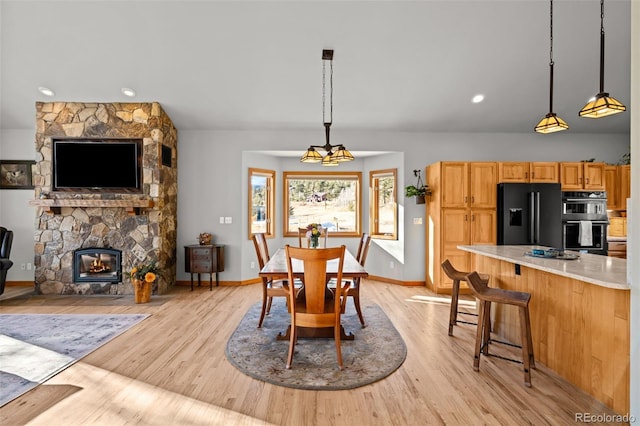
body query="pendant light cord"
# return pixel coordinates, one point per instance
(324, 65)
(601, 46)
(551, 56)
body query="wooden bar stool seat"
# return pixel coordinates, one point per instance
(457, 276)
(486, 296)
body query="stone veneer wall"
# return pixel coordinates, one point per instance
(150, 235)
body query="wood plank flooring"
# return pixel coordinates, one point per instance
(171, 369)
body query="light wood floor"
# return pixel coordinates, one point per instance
(171, 369)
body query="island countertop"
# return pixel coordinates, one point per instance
(596, 269)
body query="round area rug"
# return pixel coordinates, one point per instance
(376, 352)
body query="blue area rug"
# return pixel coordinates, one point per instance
(376, 352)
(35, 347)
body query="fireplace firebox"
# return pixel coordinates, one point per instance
(97, 265)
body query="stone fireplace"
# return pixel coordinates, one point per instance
(131, 228)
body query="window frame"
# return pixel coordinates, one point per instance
(346, 175)
(374, 207)
(269, 200)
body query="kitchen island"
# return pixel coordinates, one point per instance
(579, 315)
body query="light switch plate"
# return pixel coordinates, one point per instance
(221, 219)
(227, 219)
(417, 221)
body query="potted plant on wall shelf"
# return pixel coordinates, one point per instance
(419, 190)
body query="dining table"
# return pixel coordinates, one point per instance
(276, 268)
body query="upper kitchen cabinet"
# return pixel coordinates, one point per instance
(582, 176)
(467, 184)
(624, 175)
(525, 172)
(612, 186)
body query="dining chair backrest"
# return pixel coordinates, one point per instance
(363, 248)
(262, 249)
(302, 236)
(315, 275)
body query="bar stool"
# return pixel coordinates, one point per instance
(486, 295)
(457, 276)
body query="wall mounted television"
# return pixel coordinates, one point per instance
(90, 165)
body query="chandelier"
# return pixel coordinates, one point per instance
(602, 105)
(551, 123)
(335, 154)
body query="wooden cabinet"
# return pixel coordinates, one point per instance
(524, 172)
(207, 259)
(618, 186)
(582, 176)
(617, 226)
(618, 249)
(462, 209)
(624, 176)
(611, 186)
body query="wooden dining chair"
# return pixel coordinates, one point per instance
(270, 288)
(354, 289)
(312, 309)
(302, 236)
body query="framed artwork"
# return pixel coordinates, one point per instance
(16, 174)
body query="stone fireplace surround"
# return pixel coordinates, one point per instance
(69, 221)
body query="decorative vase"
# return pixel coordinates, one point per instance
(314, 241)
(142, 291)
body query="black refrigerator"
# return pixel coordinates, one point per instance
(530, 213)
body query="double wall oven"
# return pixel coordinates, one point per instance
(585, 221)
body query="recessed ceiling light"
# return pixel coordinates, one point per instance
(46, 91)
(128, 92)
(477, 99)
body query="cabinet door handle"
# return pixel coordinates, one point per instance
(473, 199)
(473, 218)
(466, 199)
(533, 175)
(587, 180)
(465, 217)
(526, 175)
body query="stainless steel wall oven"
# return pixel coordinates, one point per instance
(585, 221)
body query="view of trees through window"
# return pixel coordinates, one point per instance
(261, 201)
(383, 203)
(330, 199)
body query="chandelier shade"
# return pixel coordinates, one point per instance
(335, 154)
(603, 105)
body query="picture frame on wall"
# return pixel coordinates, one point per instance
(16, 174)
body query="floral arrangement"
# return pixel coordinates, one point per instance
(313, 233)
(314, 230)
(145, 272)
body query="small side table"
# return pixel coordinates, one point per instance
(205, 259)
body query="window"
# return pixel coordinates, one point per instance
(261, 201)
(329, 198)
(384, 208)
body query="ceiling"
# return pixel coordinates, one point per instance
(248, 65)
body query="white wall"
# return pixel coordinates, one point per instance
(212, 182)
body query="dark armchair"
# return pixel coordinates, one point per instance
(6, 238)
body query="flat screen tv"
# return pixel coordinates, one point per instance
(90, 165)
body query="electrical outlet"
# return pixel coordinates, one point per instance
(253, 265)
(28, 266)
(221, 219)
(417, 221)
(23, 266)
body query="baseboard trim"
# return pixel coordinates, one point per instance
(19, 284)
(397, 282)
(205, 283)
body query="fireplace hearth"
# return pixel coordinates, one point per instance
(97, 264)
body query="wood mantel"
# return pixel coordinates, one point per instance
(54, 205)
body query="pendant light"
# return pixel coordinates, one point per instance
(603, 105)
(551, 122)
(335, 154)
